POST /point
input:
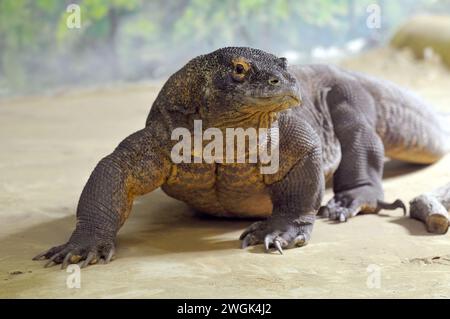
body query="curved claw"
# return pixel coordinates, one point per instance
(246, 241)
(391, 206)
(73, 253)
(41, 256)
(276, 235)
(49, 253)
(66, 260)
(90, 257)
(277, 245)
(267, 243)
(51, 261)
(110, 255)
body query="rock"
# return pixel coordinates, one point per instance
(425, 36)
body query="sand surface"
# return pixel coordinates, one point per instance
(50, 144)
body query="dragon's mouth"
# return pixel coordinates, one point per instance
(275, 103)
(254, 111)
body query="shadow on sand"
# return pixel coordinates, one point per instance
(161, 225)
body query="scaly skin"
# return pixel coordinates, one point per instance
(331, 123)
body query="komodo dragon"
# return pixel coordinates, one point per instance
(331, 123)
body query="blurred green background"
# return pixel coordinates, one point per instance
(135, 40)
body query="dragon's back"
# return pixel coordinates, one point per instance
(410, 128)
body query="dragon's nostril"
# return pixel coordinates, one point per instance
(274, 81)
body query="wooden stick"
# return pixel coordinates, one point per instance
(432, 209)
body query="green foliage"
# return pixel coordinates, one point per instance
(128, 39)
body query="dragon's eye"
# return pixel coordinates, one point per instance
(239, 69)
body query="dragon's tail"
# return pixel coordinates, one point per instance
(410, 128)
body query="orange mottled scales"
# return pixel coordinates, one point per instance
(231, 190)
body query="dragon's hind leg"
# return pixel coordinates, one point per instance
(357, 181)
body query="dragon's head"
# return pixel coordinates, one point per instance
(234, 81)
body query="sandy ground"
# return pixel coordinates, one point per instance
(50, 144)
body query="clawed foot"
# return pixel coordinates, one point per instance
(277, 234)
(87, 253)
(347, 204)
